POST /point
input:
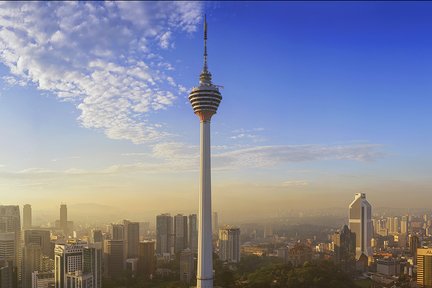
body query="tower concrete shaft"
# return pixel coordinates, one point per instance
(205, 100)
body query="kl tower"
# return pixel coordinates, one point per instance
(205, 101)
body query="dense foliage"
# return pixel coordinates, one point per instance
(255, 272)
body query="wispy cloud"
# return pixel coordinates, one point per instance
(102, 56)
(248, 134)
(295, 183)
(179, 157)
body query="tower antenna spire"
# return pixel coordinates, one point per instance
(205, 43)
(205, 77)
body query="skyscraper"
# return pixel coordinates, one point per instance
(186, 265)
(215, 223)
(424, 267)
(37, 244)
(360, 222)
(180, 233)
(205, 100)
(404, 225)
(193, 233)
(147, 260)
(344, 245)
(117, 231)
(113, 258)
(229, 244)
(131, 238)
(96, 236)
(10, 222)
(164, 234)
(63, 220)
(27, 216)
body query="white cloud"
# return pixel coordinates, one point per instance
(99, 55)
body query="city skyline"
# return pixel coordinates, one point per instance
(322, 101)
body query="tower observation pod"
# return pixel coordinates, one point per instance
(205, 101)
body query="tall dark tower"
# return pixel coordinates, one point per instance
(63, 219)
(205, 101)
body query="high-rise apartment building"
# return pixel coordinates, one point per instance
(27, 217)
(229, 244)
(424, 267)
(360, 223)
(180, 233)
(64, 220)
(78, 265)
(131, 239)
(164, 234)
(193, 233)
(147, 259)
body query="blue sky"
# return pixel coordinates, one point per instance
(319, 98)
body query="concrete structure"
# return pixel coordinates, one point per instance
(360, 223)
(27, 216)
(424, 267)
(193, 233)
(186, 266)
(164, 234)
(229, 244)
(147, 260)
(180, 233)
(205, 101)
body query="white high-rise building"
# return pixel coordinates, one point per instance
(229, 245)
(205, 101)
(360, 222)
